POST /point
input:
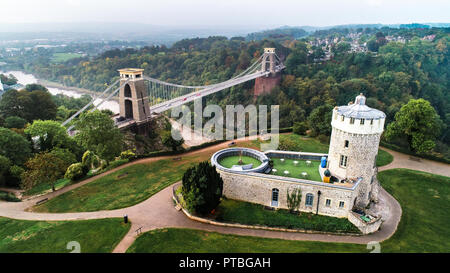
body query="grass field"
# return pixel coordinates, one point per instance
(293, 142)
(94, 236)
(295, 171)
(63, 57)
(233, 211)
(424, 227)
(123, 188)
(229, 161)
(175, 240)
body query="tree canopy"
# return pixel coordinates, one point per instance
(97, 133)
(418, 122)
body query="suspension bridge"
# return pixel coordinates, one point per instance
(140, 96)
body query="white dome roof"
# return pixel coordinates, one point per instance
(359, 110)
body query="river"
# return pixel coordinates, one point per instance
(24, 79)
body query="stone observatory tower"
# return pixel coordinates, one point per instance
(355, 137)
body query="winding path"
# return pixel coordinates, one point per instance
(158, 211)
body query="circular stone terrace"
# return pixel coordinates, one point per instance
(251, 160)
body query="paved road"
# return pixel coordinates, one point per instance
(158, 211)
(408, 162)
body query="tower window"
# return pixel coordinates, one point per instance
(342, 118)
(371, 122)
(362, 121)
(328, 203)
(309, 200)
(352, 120)
(346, 144)
(341, 204)
(343, 162)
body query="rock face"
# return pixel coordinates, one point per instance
(264, 85)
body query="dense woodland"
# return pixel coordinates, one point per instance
(391, 75)
(389, 78)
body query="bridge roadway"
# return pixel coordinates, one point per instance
(164, 106)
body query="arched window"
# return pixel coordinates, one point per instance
(127, 91)
(275, 193)
(309, 200)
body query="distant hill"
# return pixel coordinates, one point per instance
(278, 33)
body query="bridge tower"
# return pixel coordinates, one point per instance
(133, 97)
(270, 63)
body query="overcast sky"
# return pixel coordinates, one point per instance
(227, 12)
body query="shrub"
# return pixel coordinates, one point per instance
(127, 154)
(90, 161)
(323, 139)
(294, 198)
(300, 128)
(9, 197)
(75, 172)
(15, 174)
(202, 188)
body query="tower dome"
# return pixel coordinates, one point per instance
(354, 142)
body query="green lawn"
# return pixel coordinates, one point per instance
(297, 143)
(295, 171)
(424, 227)
(175, 240)
(384, 158)
(229, 161)
(63, 57)
(63, 182)
(123, 188)
(425, 201)
(233, 211)
(94, 236)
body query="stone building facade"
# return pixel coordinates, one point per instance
(133, 98)
(354, 143)
(259, 188)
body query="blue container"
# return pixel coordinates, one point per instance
(323, 162)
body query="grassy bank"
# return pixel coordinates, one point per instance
(175, 240)
(424, 227)
(123, 188)
(94, 236)
(233, 211)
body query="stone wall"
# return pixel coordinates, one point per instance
(361, 152)
(257, 188)
(264, 85)
(138, 98)
(364, 227)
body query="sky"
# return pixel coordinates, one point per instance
(266, 13)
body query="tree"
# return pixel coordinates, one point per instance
(294, 199)
(169, 141)
(48, 134)
(97, 133)
(419, 123)
(320, 120)
(46, 167)
(202, 188)
(28, 105)
(15, 122)
(5, 164)
(14, 146)
(42, 106)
